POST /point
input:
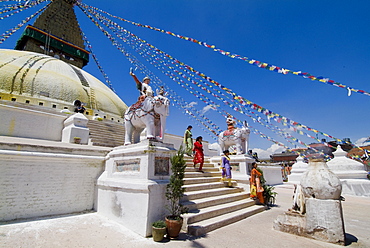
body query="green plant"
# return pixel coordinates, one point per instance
(269, 194)
(174, 189)
(159, 224)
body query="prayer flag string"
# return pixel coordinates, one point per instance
(133, 60)
(97, 63)
(257, 63)
(10, 32)
(160, 52)
(196, 94)
(239, 98)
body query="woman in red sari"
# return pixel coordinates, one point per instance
(255, 184)
(199, 155)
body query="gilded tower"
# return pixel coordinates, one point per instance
(56, 33)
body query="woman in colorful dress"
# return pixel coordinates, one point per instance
(255, 184)
(199, 155)
(226, 168)
(188, 141)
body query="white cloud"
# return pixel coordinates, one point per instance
(290, 129)
(208, 107)
(214, 146)
(361, 141)
(192, 104)
(263, 154)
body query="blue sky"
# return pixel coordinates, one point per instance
(324, 38)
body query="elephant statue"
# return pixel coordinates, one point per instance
(236, 136)
(150, 114)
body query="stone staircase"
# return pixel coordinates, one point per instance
(211, 204)
(105, 133)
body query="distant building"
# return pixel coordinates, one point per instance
(314, 150)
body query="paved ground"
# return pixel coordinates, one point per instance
(93, 230)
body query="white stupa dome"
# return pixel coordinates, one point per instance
(346, 168)
(28, 75)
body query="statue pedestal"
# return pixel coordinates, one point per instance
(241, 165)
(76, 126)
(132, 188)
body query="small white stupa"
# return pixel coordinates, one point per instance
(297, 171)
(351, 173)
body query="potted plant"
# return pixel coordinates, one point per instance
(174, 192)
(158, 230)
(268, 194)
(77, 140)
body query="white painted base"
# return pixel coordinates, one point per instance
(134, 203)
(272, 174)
(131, 191)
(359, 187)
(76, 126)
(324, 220)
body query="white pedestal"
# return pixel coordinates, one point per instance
(272, 174)
(131, 191)
(75, 126)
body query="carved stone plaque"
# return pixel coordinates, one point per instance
(162, 166)
(128, 165)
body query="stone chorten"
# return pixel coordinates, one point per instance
(320, 195)
(351, 173)
(297, 171)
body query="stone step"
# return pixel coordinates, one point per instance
(192, 195)
(208, 168)
(205, 164)
(196, 204)
(107, 139)
(213, 211)
(198, 180)
(104, 133)
(202, 186)
(106, 144)
(205, 226)
(211, 204)
(190, 159)
(108, 135)
(206, 173)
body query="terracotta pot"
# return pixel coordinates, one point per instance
(158, 233)
(173, 226)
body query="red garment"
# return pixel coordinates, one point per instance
(255, 180)
(199, 155)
